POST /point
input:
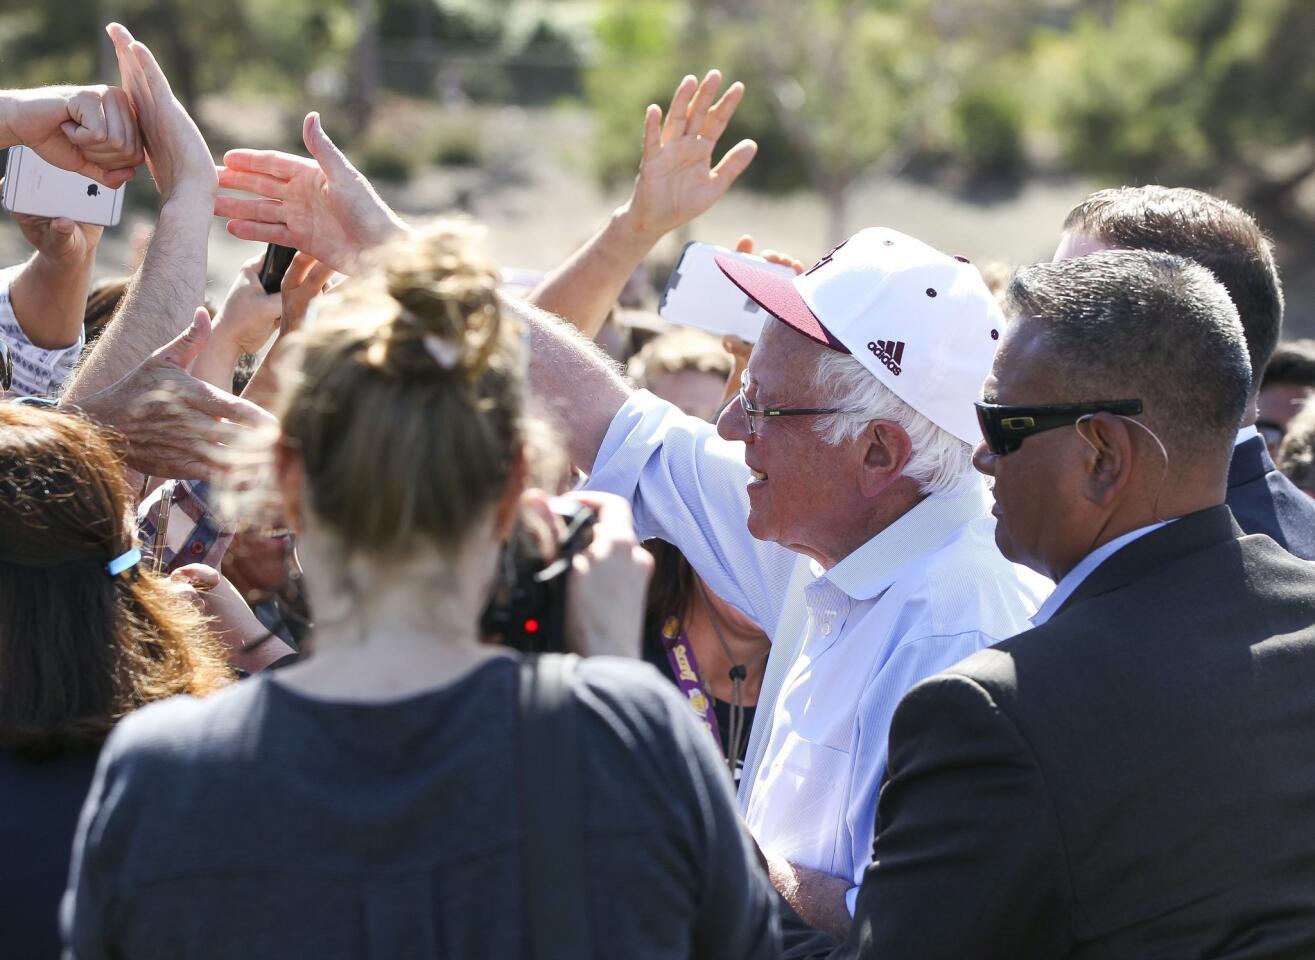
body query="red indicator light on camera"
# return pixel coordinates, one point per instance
(531, 626)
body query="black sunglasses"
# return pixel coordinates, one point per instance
(6, 368)
(1006, 426)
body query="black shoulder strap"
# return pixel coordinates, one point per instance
(551, 808)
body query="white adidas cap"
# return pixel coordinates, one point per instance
(923, 322)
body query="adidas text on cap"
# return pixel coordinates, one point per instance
(922, 322)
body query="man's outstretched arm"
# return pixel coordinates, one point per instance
(676, 183)
(579, 387)
(170, 284)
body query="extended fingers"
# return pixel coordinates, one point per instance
(678, 112)
(332, 161)
(150, 71)
(698, 108)
(720, 115)
(257, 183)
(652, 131)
(223, 406)
(735, 162)
(130, 71)
(274, 163)
(245, 208)
(261, 232)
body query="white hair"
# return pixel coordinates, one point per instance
(940, 461)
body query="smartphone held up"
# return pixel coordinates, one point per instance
(41, 189)
(700, 295)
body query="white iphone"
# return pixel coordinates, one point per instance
(42, 189)
(700, 295)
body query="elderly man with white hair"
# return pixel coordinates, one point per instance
(850, 443)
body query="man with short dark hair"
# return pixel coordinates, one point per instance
(1133, 776)
(1227, 241)
(1288, 380)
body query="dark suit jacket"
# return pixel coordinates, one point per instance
(1265, 501)
(1134, 779)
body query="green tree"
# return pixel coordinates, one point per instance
(1195, 91)
(837, 89)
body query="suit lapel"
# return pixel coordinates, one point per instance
(1188, 534)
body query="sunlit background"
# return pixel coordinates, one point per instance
(974, 124)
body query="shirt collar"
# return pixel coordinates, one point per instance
(1245, 434)
(1073, 579)
(873, 567)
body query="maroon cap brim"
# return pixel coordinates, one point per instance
(776, 294)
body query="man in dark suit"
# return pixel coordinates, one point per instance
(1229, 243)
(1134, 776)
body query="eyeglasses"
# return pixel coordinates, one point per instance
(1005, 426)
(753, 414)
(6, 367)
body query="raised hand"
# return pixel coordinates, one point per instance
(176, 152)
(324, 206)
(89, 130)
(174, 425)
(677, 180)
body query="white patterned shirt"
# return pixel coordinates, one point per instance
(37, 372)
(929, 590)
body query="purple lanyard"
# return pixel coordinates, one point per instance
(685, 668)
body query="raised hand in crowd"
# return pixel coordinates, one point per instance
(171, 280)
(323, 206)
(305, 280)
(676, 183)
(48, 297)
(176, 153)
(89, 130)
(172, 424)
(740, 349)
(247, 319)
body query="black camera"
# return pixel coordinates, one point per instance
(527, 609)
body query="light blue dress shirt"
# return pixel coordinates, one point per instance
(929, 590)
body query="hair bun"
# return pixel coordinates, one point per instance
(447, 317)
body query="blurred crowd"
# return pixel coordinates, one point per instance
(396, 604)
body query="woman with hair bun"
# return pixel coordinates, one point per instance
(86, 636)
(398, 803)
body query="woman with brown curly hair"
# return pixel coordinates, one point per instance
(86, 636)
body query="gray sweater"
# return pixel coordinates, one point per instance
(263, 823)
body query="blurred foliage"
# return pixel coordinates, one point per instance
(384, 160)
(1184, 91)
(1188, 91)
(204, 46)
(458, 146)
